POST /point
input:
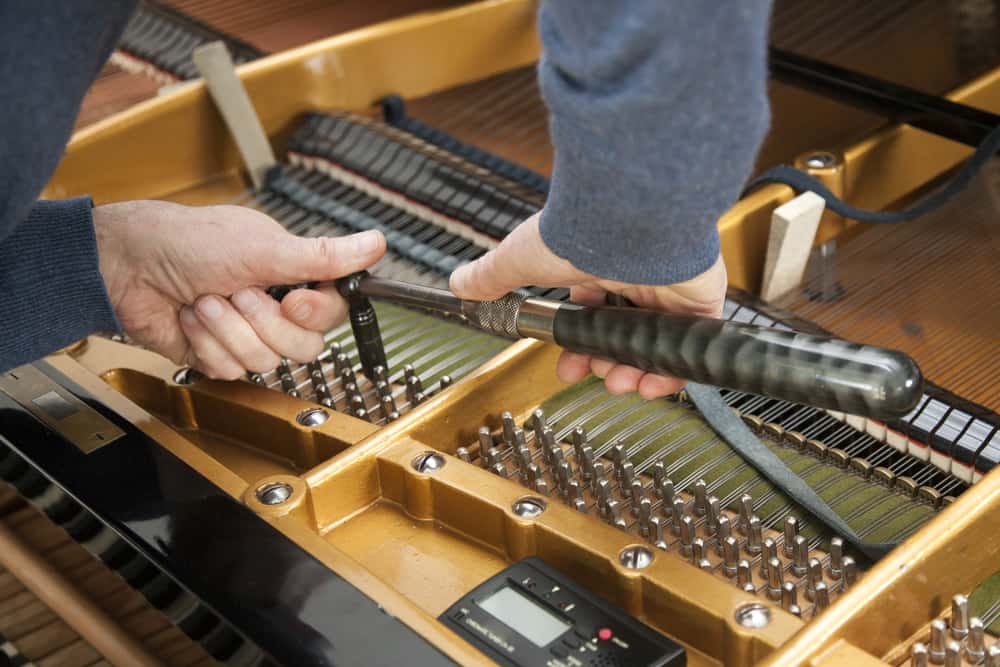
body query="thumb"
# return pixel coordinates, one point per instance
(294, 259)
(521, 259)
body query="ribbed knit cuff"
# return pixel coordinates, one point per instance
(51, 289)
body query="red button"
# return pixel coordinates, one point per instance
(604, 634)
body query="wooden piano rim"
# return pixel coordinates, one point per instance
(394, 57)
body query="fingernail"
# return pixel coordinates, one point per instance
(366, 242)
(246, 300)
(210, 307)
(187, 316)
(302, 311)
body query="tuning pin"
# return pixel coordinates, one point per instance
(499, 468)
(791, 530)
(444, 382)
(557, 455)
(746, 511)
(768, 550)
(485, 440)
(744, 576)
(523, 458)
(599, 474)
(659, 475)
(327, 402)
(655, 526)
(586, 463)
(564, 473)
(952, 654)
(800, 556)
(775, 578)
(712, 516)
(939, 633)
(789, 595)
(538, 423)
(507, 427)
(574, 494)
(959, 624)
(918, 655)
(814, 575)
(615, 515)
(463, 454)
(334, 349)
(822, 597)
(700, 498)
(626, 476)
(618, 458)
(493, 457)
(975, 647)
(697, 550)
(687, 530)
(850, 573)
(705, 565)
(730, 555)
(678, 513)
(755, 536)
(645, 508)
(665, 490)
(724, 529)
(603, 493)
(836, 567)
(533, 473)
(637, 493)
(993, 655)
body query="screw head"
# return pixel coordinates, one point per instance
(187, 376)
(821, 160)
(528, 507)
(753, 615)
(428, 462)
(312, 417)
(274, 493)
(635, 558)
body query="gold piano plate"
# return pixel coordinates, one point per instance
(360, 495)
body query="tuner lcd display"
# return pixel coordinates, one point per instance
(524, 616)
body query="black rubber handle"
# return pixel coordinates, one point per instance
(822, 372)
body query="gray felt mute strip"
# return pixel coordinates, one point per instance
(731, 428)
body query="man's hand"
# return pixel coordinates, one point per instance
(523, 259)
(187, 282)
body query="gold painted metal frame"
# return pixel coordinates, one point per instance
(346, 472)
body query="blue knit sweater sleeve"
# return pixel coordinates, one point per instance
(657, 111)
(51, 291)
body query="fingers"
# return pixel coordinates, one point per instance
(211, 357)
(572, 367)
(316, 310)
(288, 259)
(277, 330)
(232, 331)
(521, 259)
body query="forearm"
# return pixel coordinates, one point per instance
(657, 112)
(51, 289)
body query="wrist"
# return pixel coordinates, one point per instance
(109, 230)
